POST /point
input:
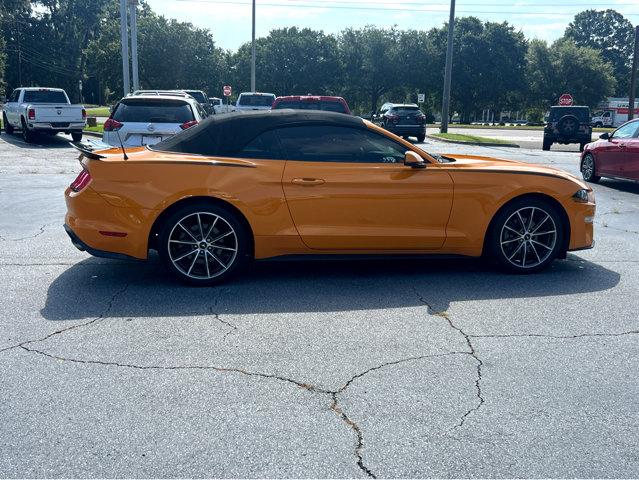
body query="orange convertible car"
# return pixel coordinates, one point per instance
(284, 182)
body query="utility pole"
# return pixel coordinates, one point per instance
(125, 48)
(253, 52)
(448, 69)
(133, 5)
(633, 77)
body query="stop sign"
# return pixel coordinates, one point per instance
(565, 100)
(227, 90)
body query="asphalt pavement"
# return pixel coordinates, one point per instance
(361, 369)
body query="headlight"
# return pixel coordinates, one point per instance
(584, 196)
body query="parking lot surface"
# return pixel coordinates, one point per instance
(382, 368)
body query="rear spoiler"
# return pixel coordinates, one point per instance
(86, 150)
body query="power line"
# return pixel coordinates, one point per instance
(395, 9)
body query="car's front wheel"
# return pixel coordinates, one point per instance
(588, 169)
(526, 236)
(204, 244)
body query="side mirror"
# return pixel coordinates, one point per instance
(605, 136)
(411, 159)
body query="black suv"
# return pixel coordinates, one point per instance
(568, 125)
(405, 120)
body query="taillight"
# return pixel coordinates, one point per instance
(84, 114)
(420, 118)
(111, 125)
(392, 118)
(31, 113)
(84, 178)
(186, 125)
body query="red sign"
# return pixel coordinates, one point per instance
(565, 100)
(227, 90)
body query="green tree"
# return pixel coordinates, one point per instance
(290, 61)
(371, 62)
(488, 65)
(566, 68)
(612, 35)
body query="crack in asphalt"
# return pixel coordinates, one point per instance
(471, 351)
(217, 316)
(100, 317)
(42, 228)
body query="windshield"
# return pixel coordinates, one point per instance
(256, 100)
(582, 113)
(45, 96)
(157, 111)
(405, 109)
(324, 105)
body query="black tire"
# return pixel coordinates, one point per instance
(598, 125)
(421, 137)
(7, 126)
(547, 144)
(518, 245)
(206, 265)
(588, 169)
(27, 135)
(582, 146)
(76, 136)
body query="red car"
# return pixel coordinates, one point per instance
(614, 155)
(312, 102)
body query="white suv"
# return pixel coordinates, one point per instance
(148, 119)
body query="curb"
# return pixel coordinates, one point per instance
(92, 134)
(445, 140)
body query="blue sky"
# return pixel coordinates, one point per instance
(230, 21)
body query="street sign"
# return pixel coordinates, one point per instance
(227, 90)
(421, 97)
(565, 100)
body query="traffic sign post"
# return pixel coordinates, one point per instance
(421, 97)
(565, 100)
(227, 90)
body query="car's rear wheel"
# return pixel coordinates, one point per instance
(421, 138)
(204, 244)
(76, 136)
(526, 236)
(27, 135)
(588, 169)
(7, 126)
(547, 144)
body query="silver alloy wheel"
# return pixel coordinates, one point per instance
(588, 167)
(202, 245)
(528, 237)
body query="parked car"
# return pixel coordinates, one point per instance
(614, 155)
(265, 184)
(567, 125)
(405, 120)
(215, 102)
(148, 119)
(36, 110)
(312, 102)
(254, 101)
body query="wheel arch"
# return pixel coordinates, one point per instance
(539, 196)
(161, 218)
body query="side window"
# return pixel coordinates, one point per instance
(318, 143)
(265, 146)
(15, 95)
(626, 131)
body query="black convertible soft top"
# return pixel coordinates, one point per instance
(226, 134)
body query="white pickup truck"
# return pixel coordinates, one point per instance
(43, 110)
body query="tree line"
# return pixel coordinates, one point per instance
(59, 42)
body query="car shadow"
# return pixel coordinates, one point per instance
(627, 186)
(94, 288)
(40, 141)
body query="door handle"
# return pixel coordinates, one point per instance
(307, 181)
